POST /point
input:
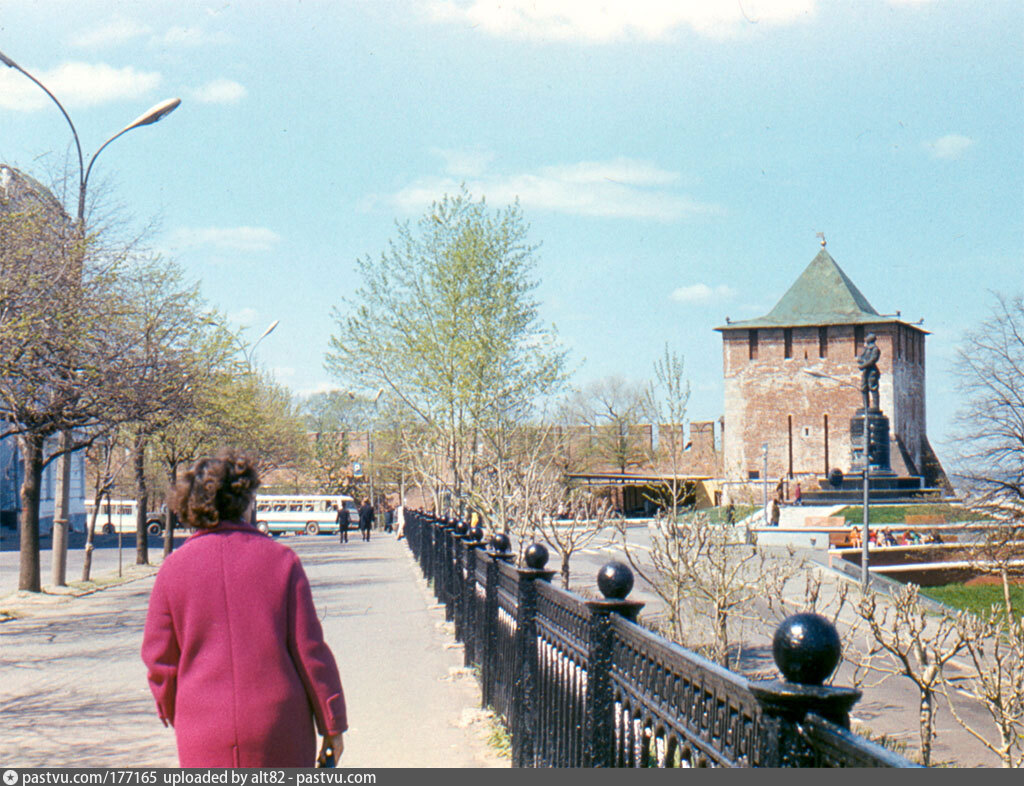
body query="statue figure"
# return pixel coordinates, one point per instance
(868, 365)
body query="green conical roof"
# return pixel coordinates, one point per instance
(822, 295)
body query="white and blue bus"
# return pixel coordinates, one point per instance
(312, 514)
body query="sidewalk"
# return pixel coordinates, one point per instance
(74, 691)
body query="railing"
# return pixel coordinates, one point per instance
(579, 684)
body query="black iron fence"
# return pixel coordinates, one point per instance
(579, 684)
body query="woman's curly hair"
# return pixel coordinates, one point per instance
(215, 489)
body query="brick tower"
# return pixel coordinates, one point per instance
(792, 382)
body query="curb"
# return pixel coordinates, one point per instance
(22, 602)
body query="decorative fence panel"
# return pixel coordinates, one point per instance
(579, 684)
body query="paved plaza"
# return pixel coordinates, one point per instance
(74, 689)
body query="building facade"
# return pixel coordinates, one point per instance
(12, 473)
(792, 383)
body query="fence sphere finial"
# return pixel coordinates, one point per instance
(615, 580)
(501, 543)
(477, 533)
(536, 556)
(461, 527)
(806, 648)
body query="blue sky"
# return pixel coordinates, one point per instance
(675, 159)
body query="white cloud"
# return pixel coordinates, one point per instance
(247, 239)
(702, 293)
(949, 146)
(116, 30)
(219, 91)
(78, 85)
(244, 317)
(619, 188)
(610, 20)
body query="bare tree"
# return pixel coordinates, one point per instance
(613, 410)
(904, 640)
(588, 516)
(994, 646)
(990, 434)
(699, 568)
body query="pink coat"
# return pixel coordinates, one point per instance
(236, 656)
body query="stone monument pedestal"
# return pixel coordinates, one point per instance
(878, 434)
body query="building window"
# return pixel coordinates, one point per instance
(823, 342)
(753, 344)
(858, 340)
(787, 337)
(753, 475)
(899, 342)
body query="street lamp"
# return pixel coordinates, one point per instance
(864, 554)
(764, 456)
(373, 425)
(61, 509)
(252, 350)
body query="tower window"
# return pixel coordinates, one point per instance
(787, 337)
(753, 344)
(823, 342)
(858, 340)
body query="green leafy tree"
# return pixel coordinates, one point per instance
(446, 320)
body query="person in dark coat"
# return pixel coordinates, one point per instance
(366, 519)
(343, 523)
(235, 654)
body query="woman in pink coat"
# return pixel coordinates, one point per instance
(236, 656)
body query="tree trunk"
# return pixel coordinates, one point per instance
(722, 636)
(141, 503)
(90, 532)
(927, 721)
(565, 569)
(170, 520)
(1004, 574)
(31, 447)
(61, 512)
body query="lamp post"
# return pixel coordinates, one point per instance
(252, 350)
(764, 457)
(373, 424)
(865, 576)
(62, 506)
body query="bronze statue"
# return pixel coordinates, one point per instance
(868, 365)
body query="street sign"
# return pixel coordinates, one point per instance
(357, 469)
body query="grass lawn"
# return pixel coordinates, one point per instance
(977, 599)
(897, 514)
(717, 515)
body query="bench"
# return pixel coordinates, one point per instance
(840, 540)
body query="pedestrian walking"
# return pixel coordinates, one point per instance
(400, 521)
(389, 518)
(774, 511)
(343, 523)
(235, 654)
(366, 519)
(797, 494)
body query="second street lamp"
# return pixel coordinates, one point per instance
(62, 502)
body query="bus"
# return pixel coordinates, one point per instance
(118, 515)
(312, 514)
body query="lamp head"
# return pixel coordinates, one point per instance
(158, 112)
